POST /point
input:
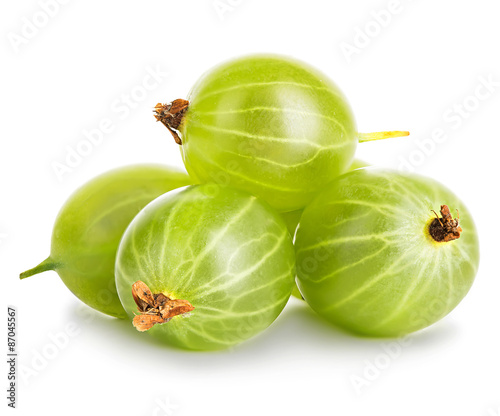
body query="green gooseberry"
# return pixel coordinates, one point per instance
(292, 219)
(374, 257)
(270, 125)
(205, 268)
(89, 227)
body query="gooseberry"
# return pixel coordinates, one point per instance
(89, 227)
(292, 219)
(374, 257)
(269, 125)
(205, 267)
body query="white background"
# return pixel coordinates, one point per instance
(412, 74)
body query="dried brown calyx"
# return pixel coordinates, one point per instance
(446, 228)
(155, 308)
(171, 116)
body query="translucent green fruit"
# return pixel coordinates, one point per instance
(90, 225)
(215, 249)
(292, 218)
(374, 258)
(270, 125)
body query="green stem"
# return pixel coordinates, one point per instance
(368, 137)
(47, 264)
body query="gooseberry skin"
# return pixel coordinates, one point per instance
(292, 219)
(269, 125)
(226, 252)
(89, 227)
(365, 258)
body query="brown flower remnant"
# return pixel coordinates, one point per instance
(155, 308)
(171, 116)
(446, 228)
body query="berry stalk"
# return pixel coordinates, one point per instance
(381, 135)
(44, 266)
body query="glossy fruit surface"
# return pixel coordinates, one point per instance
(366, 260)
(269, 125)
(224, 251)
(292, 218)
(90, 225)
